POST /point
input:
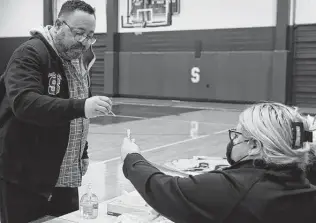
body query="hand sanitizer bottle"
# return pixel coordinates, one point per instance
(89, 205)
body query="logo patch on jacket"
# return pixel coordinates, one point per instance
(54, 83)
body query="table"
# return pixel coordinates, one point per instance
(167, 169)
(75, 216)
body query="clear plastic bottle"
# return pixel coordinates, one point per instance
(89, 205)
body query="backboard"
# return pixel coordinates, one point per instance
(149, 13)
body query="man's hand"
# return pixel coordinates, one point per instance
(97, 106)
(84, 166)
(128, 146)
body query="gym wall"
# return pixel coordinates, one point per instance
(16, 19)
(303, 88)
(219, 50)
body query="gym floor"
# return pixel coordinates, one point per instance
(164, 130)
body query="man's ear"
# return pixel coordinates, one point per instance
(58, 24)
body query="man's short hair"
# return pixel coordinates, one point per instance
(74, 5)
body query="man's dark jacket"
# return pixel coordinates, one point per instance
(243, 193)
(35, 115)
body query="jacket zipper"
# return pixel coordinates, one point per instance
(80, 156)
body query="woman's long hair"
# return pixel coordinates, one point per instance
(270, 124)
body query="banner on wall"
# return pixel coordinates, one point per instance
(149, 13)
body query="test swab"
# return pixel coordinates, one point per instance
(128, 132)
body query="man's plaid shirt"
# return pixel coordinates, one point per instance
(78, 84)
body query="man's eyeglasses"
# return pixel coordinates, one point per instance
(81, 37)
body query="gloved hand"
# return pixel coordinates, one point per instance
(97, 106)
(128, 146)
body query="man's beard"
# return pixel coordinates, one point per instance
(73, 52)
(69, 53)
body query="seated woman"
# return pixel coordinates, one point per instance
(266, 182)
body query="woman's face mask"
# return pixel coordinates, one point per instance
(233, 135)
(229, 150)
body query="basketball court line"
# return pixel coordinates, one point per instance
(150, 134)
(154, 148)
(220, 132)
(127, 116)
(179, 142)
(158, 119)
(138, 134)
(173, 104)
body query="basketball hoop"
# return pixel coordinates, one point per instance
(143, 14)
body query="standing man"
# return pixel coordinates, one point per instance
(44, 117)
